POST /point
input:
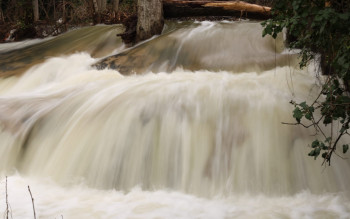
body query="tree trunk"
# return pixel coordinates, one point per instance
(115, 7)
(99, 4)
(2, 19)
(174, 8)
(103, 5)
(35, 10)
(150, 19)
(96, 16)
(95, 5)
(64, 11)
(54, 10)
(44, 9)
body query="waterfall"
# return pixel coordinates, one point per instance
(193, 129)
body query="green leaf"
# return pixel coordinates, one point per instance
(297, 114)
(312, 153)
(345, 148)
(315, 144)
(324, 147)
(343, 16)
(317, 152)
(308, 116)
(274, 35)
(311, 109)
(327, 120)
(303, 105)
(324, 155)
(267, 30)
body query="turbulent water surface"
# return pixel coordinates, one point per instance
(192, 131)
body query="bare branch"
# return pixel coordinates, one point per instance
(7, 201)
(306, 126)
(32, 201)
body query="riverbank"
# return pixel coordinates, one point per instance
(19, 31)
(14, 32)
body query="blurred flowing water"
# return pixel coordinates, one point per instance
(191, 129)
(98, 41)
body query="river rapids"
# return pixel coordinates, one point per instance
(189, 125)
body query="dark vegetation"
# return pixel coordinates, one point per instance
(56, 16)
(321, 30)
(261, 2)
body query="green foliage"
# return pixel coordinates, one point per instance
(303, 110)
(318, 146)
(319, 27)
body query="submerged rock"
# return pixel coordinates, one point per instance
(195, 46)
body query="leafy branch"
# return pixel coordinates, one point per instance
(319, 27)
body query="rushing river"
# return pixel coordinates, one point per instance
(191, 129)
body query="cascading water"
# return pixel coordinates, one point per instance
(200, 137)
(17, 57)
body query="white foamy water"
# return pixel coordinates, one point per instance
(18, 45)
(79, 201)
(185, 144)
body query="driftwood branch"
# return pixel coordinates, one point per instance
(176, 8)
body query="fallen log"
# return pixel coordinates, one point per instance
(178, 8)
